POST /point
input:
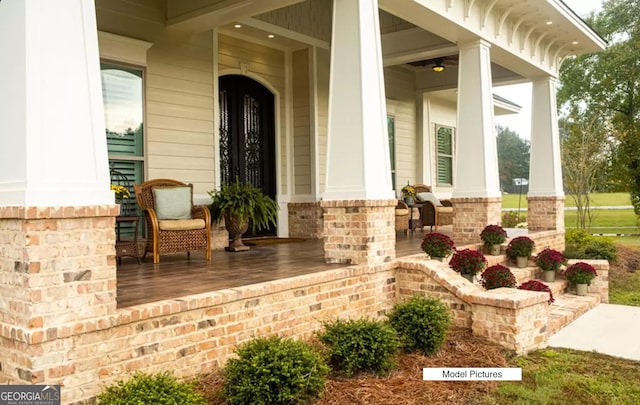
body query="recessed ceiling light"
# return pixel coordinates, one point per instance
(237, 26)
(549, 22)
(271, 36)
(574, 43)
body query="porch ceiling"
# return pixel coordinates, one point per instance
(527, 37)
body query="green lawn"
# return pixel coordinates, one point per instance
(604, 221)
(561, 376)
(598, 199)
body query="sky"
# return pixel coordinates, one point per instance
(521, 93)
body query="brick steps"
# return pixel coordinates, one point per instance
(567, 306)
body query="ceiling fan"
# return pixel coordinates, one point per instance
(437, 64)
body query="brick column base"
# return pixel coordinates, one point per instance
(471, 215)
(58, 269)
(305, 220)
(545, 213)
(359, 231)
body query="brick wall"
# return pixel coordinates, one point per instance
(305, 220)
(57, 267)
(545, 213)
(359, 231)
(471, 215)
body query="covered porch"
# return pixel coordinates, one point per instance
(178, 276)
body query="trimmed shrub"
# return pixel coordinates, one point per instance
(600, 248)
(159, 389)
(273, 371)
(510, 219)
(360, 345)
(581, 245)
(422, 324)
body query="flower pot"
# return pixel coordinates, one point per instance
(581, 289)
(494, 250)
(236, 229)
(522, 262)
(408, 200)
(549, 276)
(468, 277)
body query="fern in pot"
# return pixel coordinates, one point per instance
(241, 204)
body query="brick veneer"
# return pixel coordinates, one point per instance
(57, 266)
(306, 220)
(545, 213)
(359, 231)
(60, 324)
(471, 215)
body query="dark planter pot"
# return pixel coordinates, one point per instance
(236, 229)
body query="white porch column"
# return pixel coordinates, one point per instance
(53, 151)
(358, 164)
(358, 201)
(546, 193)
(476, 194)
(57, 262)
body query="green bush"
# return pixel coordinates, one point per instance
(274, 371)
(581, 245)
(600, 248)
(360, 345)
(510, 219)
(422, 324)
(158, 389)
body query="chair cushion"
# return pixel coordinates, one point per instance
(444, 210)
(402, 211)
(181, 224)
(172, 202)
(427, 196)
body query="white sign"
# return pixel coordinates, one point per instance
(472, 374)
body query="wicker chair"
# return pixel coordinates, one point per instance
(173, 235)
(402, 217)
(432, 215)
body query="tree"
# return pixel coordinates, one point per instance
(608, 84)
(585, 158)
(513, 157)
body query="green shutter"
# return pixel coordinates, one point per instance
(391, 129)
(444, 147)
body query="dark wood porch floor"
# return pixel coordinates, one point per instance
(177, 276)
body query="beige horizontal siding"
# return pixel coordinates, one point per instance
(301, 123)
(179, 95)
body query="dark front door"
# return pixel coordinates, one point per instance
(247, 136)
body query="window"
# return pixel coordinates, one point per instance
(391, 127)
(444, 155)
(122, 93)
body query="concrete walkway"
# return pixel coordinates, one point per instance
(607, 329)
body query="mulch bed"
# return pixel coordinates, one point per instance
(404, 386)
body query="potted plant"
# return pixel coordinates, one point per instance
(520, 248)
(580, 274)
(550, 260)
(468, 262)
(241, 204)
(437, 245)
(408, 192)
(497, 276)
(535, 285)
(493, 236)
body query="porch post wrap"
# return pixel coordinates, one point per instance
(476, 158)
(545, 173)
(53, 151)
(358, 165)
